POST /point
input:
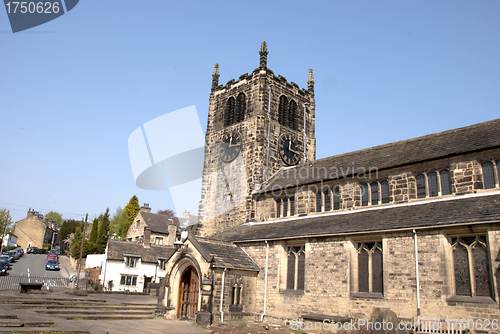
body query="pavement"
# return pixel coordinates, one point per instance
(143, 326)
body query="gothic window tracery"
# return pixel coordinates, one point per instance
(295, 267)
(370, 267)
(471, 266)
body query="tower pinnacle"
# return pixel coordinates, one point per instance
(310, 81)
(263, 55)
(215, 77)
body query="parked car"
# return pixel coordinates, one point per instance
(3, 268)
(11, 255)
(52, 265)
(19, 251)
(53, 252)
(5, 259)
(52, 257)
(34, 250)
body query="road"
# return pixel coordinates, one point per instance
(34, 265)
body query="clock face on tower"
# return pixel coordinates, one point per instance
(289, 149)
(231, 146)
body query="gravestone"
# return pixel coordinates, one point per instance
(386, 323)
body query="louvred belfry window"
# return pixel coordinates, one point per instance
(229, 112)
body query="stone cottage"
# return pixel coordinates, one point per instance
(33, 231)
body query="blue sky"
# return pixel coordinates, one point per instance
(74, 89)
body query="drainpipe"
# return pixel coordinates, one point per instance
(305, 138)
(268, 131)
(416, 271)
(265, 283)
(222, 295)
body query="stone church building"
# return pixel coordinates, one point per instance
(412, 226)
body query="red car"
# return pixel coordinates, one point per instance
(52, 257)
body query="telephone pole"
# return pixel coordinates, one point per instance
(81, 251)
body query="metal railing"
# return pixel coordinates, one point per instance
(12, 282)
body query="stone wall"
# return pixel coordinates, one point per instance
(30, 231)
(465, 178)
(331, 278)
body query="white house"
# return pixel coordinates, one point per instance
(130, 266)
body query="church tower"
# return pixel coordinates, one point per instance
(257, 125)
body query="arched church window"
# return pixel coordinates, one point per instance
(488, 176)
(421, 191)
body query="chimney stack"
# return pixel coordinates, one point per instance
(146, 240)
(145, 208)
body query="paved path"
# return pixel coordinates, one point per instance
(145, 326)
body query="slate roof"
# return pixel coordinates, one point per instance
(158, 223)
(117, 249)
(439, 145)
(426, 214)
(226, 254)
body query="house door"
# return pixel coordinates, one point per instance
(188, 294)
(147, 280)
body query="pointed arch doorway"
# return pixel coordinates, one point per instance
(188, 294)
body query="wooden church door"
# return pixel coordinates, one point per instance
(188, 294)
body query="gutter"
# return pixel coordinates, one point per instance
(265, 283)
(416, 275)
(222, 295)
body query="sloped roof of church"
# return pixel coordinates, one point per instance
(227, 255)
(117, 250)
(454, 211)
(158, 223)
(439, 145)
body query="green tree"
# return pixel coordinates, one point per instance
(52, 215)
(102, 238)
(74, 248)
(68, 226)
(5, 221)
(131, 209)
(119, 223)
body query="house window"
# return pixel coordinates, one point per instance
(444, 175)
(488, 176)
(421, 191)
(237, 294)
(384, 189)
(159, 241)
(131, 261)
(319, 202)
(128, 280)
(374, 192)
(295, 267)
(433, 184)
(161, 264)
(328, 203)
(370, 267)
(336, 199)
(364, 195)
(278, 208)
(285, 206)
(471, 266)
(292, 206)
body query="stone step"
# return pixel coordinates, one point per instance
(104, 317)
(84, 311)
(37, 330)
(66, 307)
(19, 323)
(10, 299)
(8, 316)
